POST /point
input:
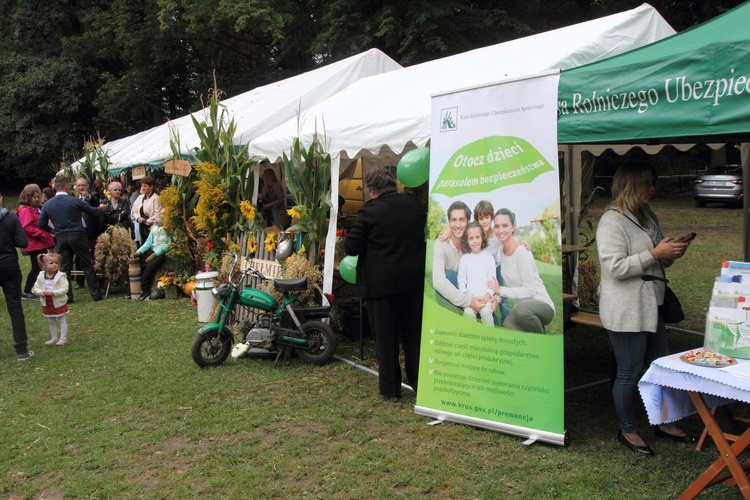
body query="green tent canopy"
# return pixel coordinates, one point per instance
(692, 86)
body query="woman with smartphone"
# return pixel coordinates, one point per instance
(630, 245)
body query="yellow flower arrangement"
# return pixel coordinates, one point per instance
(252, 245)
(271, 242)
(210, 211)
(170, 200)
(302, 250)
(297, 214)
(166, 281)
(248, 210)
(233, 247)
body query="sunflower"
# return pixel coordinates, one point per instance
(247, 209)
(270, 242)
(252, 245)
(293, 212)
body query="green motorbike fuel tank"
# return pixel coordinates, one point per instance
(257, 298)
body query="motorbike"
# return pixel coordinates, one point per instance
(272, 328)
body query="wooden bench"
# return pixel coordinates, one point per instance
(586, 318)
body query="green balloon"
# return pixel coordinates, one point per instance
(414, 168)
(348, 269)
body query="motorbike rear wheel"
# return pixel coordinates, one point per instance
(211, 348)
(321, 343)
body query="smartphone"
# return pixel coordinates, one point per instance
(685, 238)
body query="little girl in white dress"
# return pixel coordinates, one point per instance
(52, 287)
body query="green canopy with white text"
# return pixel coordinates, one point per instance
(688, 87)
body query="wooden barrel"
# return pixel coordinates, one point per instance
(135, 286)
(134, 277)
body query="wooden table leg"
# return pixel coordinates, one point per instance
(727, 454)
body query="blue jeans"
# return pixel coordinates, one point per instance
(633, 351)
(504, 306)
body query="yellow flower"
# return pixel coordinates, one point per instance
(247, 209)
(166, 281)
(252, 245)
(234, 247)
(293, 212)
(270, 242)
(302, 250)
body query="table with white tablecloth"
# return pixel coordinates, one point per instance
(672, 389)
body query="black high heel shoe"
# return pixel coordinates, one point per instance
(641, 450)
(687, 438)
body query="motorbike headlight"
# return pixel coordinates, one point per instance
(221, 290)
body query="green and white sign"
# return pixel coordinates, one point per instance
(489, 163)
(690, 86)
(495, 146)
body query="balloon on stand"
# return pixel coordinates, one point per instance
(414, 167)
(348, 269)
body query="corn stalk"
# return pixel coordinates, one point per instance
(308, 176)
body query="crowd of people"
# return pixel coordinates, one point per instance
(58, 229)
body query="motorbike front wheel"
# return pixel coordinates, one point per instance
(211, 348)
(321, 343)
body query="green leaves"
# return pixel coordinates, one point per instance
(308, 176)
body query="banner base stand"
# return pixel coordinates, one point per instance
(532, 435)
(435, 422)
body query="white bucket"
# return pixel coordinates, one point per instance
(203, 295)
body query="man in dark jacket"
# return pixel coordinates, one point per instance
(12, 237)
(93, 224)
(65, 212)
(388, 236)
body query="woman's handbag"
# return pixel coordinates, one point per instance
(671, 309)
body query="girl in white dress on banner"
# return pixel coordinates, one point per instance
(475, 270)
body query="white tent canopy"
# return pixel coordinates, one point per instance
(393, 109)
(254, 112)
(380, 117)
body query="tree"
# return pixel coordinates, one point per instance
(115, 67)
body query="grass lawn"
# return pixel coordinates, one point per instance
(123, 412)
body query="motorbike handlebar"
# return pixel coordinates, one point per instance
(251, 271)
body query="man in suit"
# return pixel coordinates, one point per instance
(388, 236)
(66, 212)
(13, 237)
(92, 224)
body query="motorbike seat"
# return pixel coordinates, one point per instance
(290, 285)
